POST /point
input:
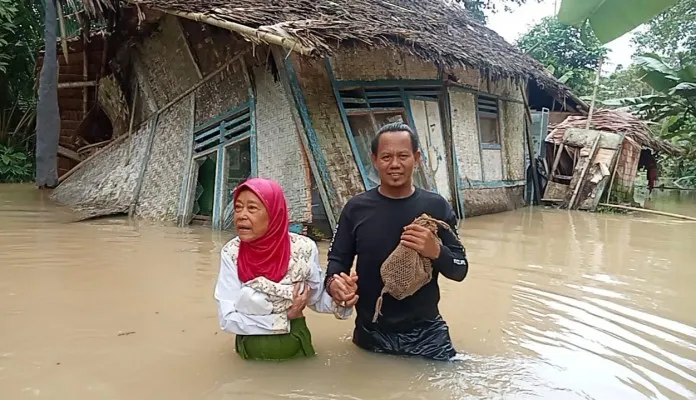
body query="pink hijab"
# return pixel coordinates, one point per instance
(269, 255)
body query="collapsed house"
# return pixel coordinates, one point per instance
(294, 91)
(587, 165)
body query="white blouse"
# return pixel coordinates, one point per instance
(244, 309)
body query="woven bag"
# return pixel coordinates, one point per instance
(405, 271)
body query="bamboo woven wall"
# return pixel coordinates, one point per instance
(105, 185)
(367, 64)
(331, 134)
(280, 153)
(161, 187)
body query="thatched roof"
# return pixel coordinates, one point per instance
(431, 29)
(614, 121)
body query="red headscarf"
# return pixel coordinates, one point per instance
(269, 255)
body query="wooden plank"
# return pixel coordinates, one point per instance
(585, 167)
(67, 153)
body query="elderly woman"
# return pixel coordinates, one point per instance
(267, 276)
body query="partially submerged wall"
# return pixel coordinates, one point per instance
(280, 153)
(326, 121)
(105, 185)
(492, 200)
(490, 180)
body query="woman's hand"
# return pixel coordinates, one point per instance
(300, 300)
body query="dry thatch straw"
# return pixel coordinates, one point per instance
(614, 121)
(431, 29)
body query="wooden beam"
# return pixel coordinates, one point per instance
(67, 153)
(76, 85)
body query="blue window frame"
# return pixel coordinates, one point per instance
(229, 141)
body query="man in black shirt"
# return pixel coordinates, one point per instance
(371, 226)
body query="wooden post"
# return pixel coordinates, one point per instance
(132, 119)
(530, 149)
(594, 95)
(85, 63)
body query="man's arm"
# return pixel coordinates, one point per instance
(341, 249)
(452, 262)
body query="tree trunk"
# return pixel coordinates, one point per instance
(47, 114)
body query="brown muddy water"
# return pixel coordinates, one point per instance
(557, 305)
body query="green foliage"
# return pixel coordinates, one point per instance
(672, 106)
(622, 83)
(611, 19)
(20, 40)
(15, 165)
(570, 53)
(672, 34)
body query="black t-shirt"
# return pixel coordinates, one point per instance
(370, 227)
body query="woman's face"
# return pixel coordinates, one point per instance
(250, 216)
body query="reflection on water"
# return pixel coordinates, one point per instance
(557, 305)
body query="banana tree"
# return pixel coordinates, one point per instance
(611, 19)
(674, 102)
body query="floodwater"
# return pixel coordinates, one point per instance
(557, 305)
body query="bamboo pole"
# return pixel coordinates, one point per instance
(244, 30)
(594, 95)
(76, 84)
(63, 35)
(647, 211)
(130, 126)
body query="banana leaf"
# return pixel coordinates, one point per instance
(611, 19)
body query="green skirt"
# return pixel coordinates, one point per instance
(296, 344)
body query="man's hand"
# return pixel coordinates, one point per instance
(300, 301)
(422, 240)
(344, 288)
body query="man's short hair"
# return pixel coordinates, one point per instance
(395, 127)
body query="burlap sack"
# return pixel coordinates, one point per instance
(405, 271)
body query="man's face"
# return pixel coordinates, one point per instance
(395, 159)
